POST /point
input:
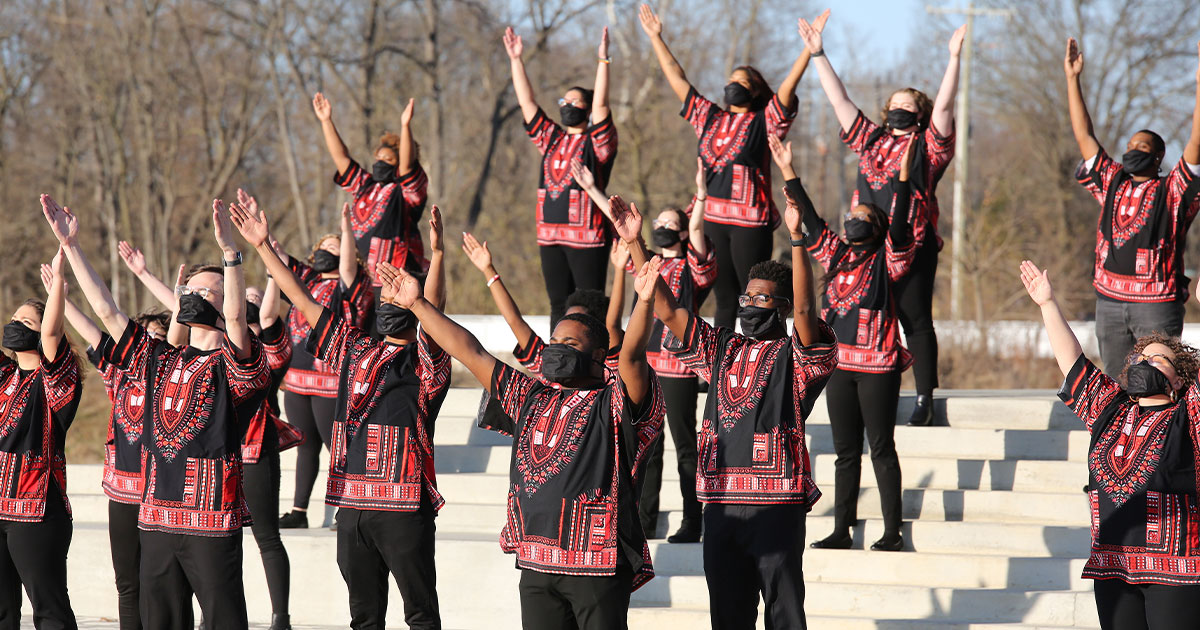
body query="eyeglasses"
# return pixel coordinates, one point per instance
(576, 102)
(1153, 359)
(665, 223)
(182, 290)
(761, 300)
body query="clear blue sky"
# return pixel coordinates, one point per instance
(884, 24)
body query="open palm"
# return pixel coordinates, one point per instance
(1037, 283)
(64, 224)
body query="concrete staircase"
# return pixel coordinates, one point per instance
(996, 525)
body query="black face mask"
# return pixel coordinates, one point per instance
(324, 262)
(194, 309)
(1143, 379)
(252, 311)
(383, 172)
(858, 230)
(392, 320)
(1137, 161)
(561, 363)
(665, 237)
(20, 338)
(758, 321)
(901, 118)
(572, 116)
(737, 94)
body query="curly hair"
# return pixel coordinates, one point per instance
(597, 333)
(154, 316)
(1187, 358)
(389, 140)
(774, 271)
(924, 106)
(592, 301)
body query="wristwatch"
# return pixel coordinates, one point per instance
(237, 260)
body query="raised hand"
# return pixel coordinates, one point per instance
(54, 271)
(252, 225)
(647, 278)
(793, 217)
(399, 287)
(819, 23)
(222, 229)
(64, 224)
(321, 107)
(650, 22)
(781, 152)
(1073, 62)
(407, 114)
(583, 176)
(47, 277)
(133, 257)
(625, 219)
(478, 254)
(512, 44)
(247, 201)
(1037, 283)
(811, 36)
(602, 52)
(435, 230)
(180, 276)
(619, 256)
(956, 40)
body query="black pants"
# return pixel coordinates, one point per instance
(314, 416)
(1120, 324)
(261, 484)
(176, 566)
(126, 548)
(753, 549)
(859, 401)
(35, 555)
(571, 602)
(371, 543)
(566, 269)
(679, 396)
(1124, 606)
(914, 301)
(737, 249)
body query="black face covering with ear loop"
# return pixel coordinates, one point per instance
(324, 261)
(20, 338)
(737, 94)
(194, 309)
(561, 363)
(1137, 161)
(1143, 379)
(901, 118)
(383, 172)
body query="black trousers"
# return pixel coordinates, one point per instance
(566, 269)
(372, 543)
(679, 396)
(572, 602)
(859, 401)
(176, 566)
(314, 416)
(34, 555)
(126, 548)
(261, 484)
(753, 549)
(737, 249)
(914, 301)
(1124, 606)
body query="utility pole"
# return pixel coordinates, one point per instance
(962, 122)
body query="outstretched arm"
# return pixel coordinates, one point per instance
(454, 339)
(83, 325)
(1081, 121)
(177, 333)
(670, 66)
(66, 228)
(616, 301)
(136, 262)
(943, 105)
(844, 108)
(333, 140)
(1062, 339)
(268, 311)
(627, 221)
(481, 257)
(633, 367)
(408, 145)
(435, 282)
(347, 250)
(1191, 151)
(521, 85)
(696, 221)
(787, 89)
(600, 93)
(583, 176)
(52, 317)
(804, 311)
(254, 229)
(233, 305)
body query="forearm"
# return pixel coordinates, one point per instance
(234, 308)
(696, 226)
(943, 106)
(268, 311)
(1081, 121)
(600, 93)
(52, 319)
(83, 325)
(300, 297)
(616, 306)
(159, 289)
(435, 280)
(1191, 151)
(804, 312)
(177, 334)
(510, 312)
(637, 252)
(524, 90)
(1062, 339)
(668, 311)
(337, 148)
(635, 371)
(407, 150)
(455, 340)
(843, 108)
(787, 89)
(671, 68)
(96, 292)
(347, 257)
(600, 199)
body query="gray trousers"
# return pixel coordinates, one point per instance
(1120, 324)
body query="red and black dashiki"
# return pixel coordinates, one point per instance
(879, 152)
(123, 454)
(858, 303)
(751, 446)
(200, 403)
(1143, 463)
(385, 217)
(572, 504)
(308, 375)
(1142, 231)
(689, 277)
(389, 396)
(266, 423)
(565, 214)
(737, 160)
(36, 409)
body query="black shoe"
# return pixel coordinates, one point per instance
(889, 542)
(922, 415)
(689, 532)
(280, 622)
(294, 520)
(835, 540)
